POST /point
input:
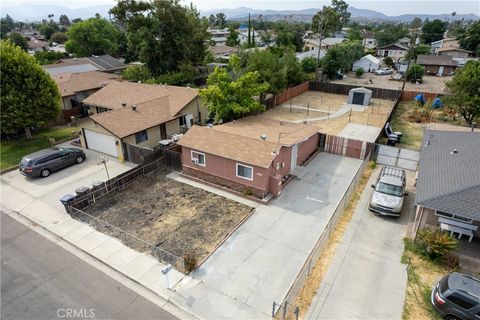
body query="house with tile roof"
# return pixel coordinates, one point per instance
(252, 155)
(448, 183)
(75, 87)
(125, 114)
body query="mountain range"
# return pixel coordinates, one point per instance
(37, 12)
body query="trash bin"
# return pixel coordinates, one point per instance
(84, 197)
(66, 200)
(98, 189)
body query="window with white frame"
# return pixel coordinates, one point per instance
(453, 216)
(245, 172)
(198, 158)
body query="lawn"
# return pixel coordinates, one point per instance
(12, 151)
(423, 274)
(412, 132)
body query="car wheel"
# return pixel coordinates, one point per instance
(79, 159)
(45, 173)
(450, 317)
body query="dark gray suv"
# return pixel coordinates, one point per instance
(457, 296)
(44, 162)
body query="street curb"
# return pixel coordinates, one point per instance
(167, 300)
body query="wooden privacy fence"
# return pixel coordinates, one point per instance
(291, 93)
(346, 147)
(410, 95)
(338, 88)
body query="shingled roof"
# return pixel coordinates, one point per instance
(449, 173)
(71, 83)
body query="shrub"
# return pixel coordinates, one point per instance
(309, 64)
(136, 73)
(415, 73)
(247, 192)
(190, 262)
(359, 72)
(435, 244)
(389, 62)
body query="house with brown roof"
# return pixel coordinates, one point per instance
(394, 51)
(75, 87)
(437, 65)
(125, 116)
(454, 52)
(103, 63)
(252, 155)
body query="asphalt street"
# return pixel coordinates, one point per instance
(41, 280)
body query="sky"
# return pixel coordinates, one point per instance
(388, 7)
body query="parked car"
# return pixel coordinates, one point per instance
(44, 162)
(384, 71)
(387, 198)
(457, 296)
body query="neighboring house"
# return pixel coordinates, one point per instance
(448, 184)
(103, 63)
(404, 41)
(395, 51)
(74, 87)
(327, 43)
(444, 43)
(369, 43)
(36, 45)
(454, 52)
(368, 63)
(219, 36)
(437, 65)
(220, 51)
(125, 115)
(310, 54)
(252, 155)
(243, 36)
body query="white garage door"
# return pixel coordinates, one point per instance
(101, 142)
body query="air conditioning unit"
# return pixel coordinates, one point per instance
(195, 161)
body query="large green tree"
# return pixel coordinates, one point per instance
(340, 58)
(232, 38)
(162, 34)
(7, 24)
(94, 36)
(413, 53)
(433, 31)
(269, 68)
(470, 39)
(228, 98)
(326, 21)
(289, 34)
(465, 92)
(29, 96)
(47, 29)
(64, 20)
(19, 40)
(341, 7)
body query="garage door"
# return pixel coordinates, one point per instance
(101, 142)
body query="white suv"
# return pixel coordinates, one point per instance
(387, 198)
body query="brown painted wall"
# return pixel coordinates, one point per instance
(226, 169)
(306, 148)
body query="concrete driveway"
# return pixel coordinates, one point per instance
(365, 279)
(49, 190)
(259, 262)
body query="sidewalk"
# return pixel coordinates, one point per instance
(143, 269)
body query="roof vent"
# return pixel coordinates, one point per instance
(263, 137)
(124, 104)
(454, 151)
(134, 107)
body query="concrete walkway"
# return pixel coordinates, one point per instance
(259, 262)
(177, 177)
(366, 279)
(253, 268)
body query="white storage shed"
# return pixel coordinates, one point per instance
(368, 63)
(360, 96)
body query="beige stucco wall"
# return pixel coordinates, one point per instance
(153, 138)
(89, 124)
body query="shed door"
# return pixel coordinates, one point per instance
(358, 98)
(293, 163)
(101, 142)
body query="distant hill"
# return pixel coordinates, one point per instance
(306, 14)
(37, 12)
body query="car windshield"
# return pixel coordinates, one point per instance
(389, 189)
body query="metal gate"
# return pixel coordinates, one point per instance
(397, 157)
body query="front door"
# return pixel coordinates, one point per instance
(293, 163)
(163, 132)
(358, 98)
(440, 70)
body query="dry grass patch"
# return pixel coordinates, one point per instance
(305, 297)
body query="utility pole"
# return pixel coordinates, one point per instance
(319, 42)
(412, 47)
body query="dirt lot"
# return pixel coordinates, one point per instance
(429, 84)
(373, 115)
(177, 217)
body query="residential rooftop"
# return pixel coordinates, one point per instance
(71, 83)
(449, 173)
